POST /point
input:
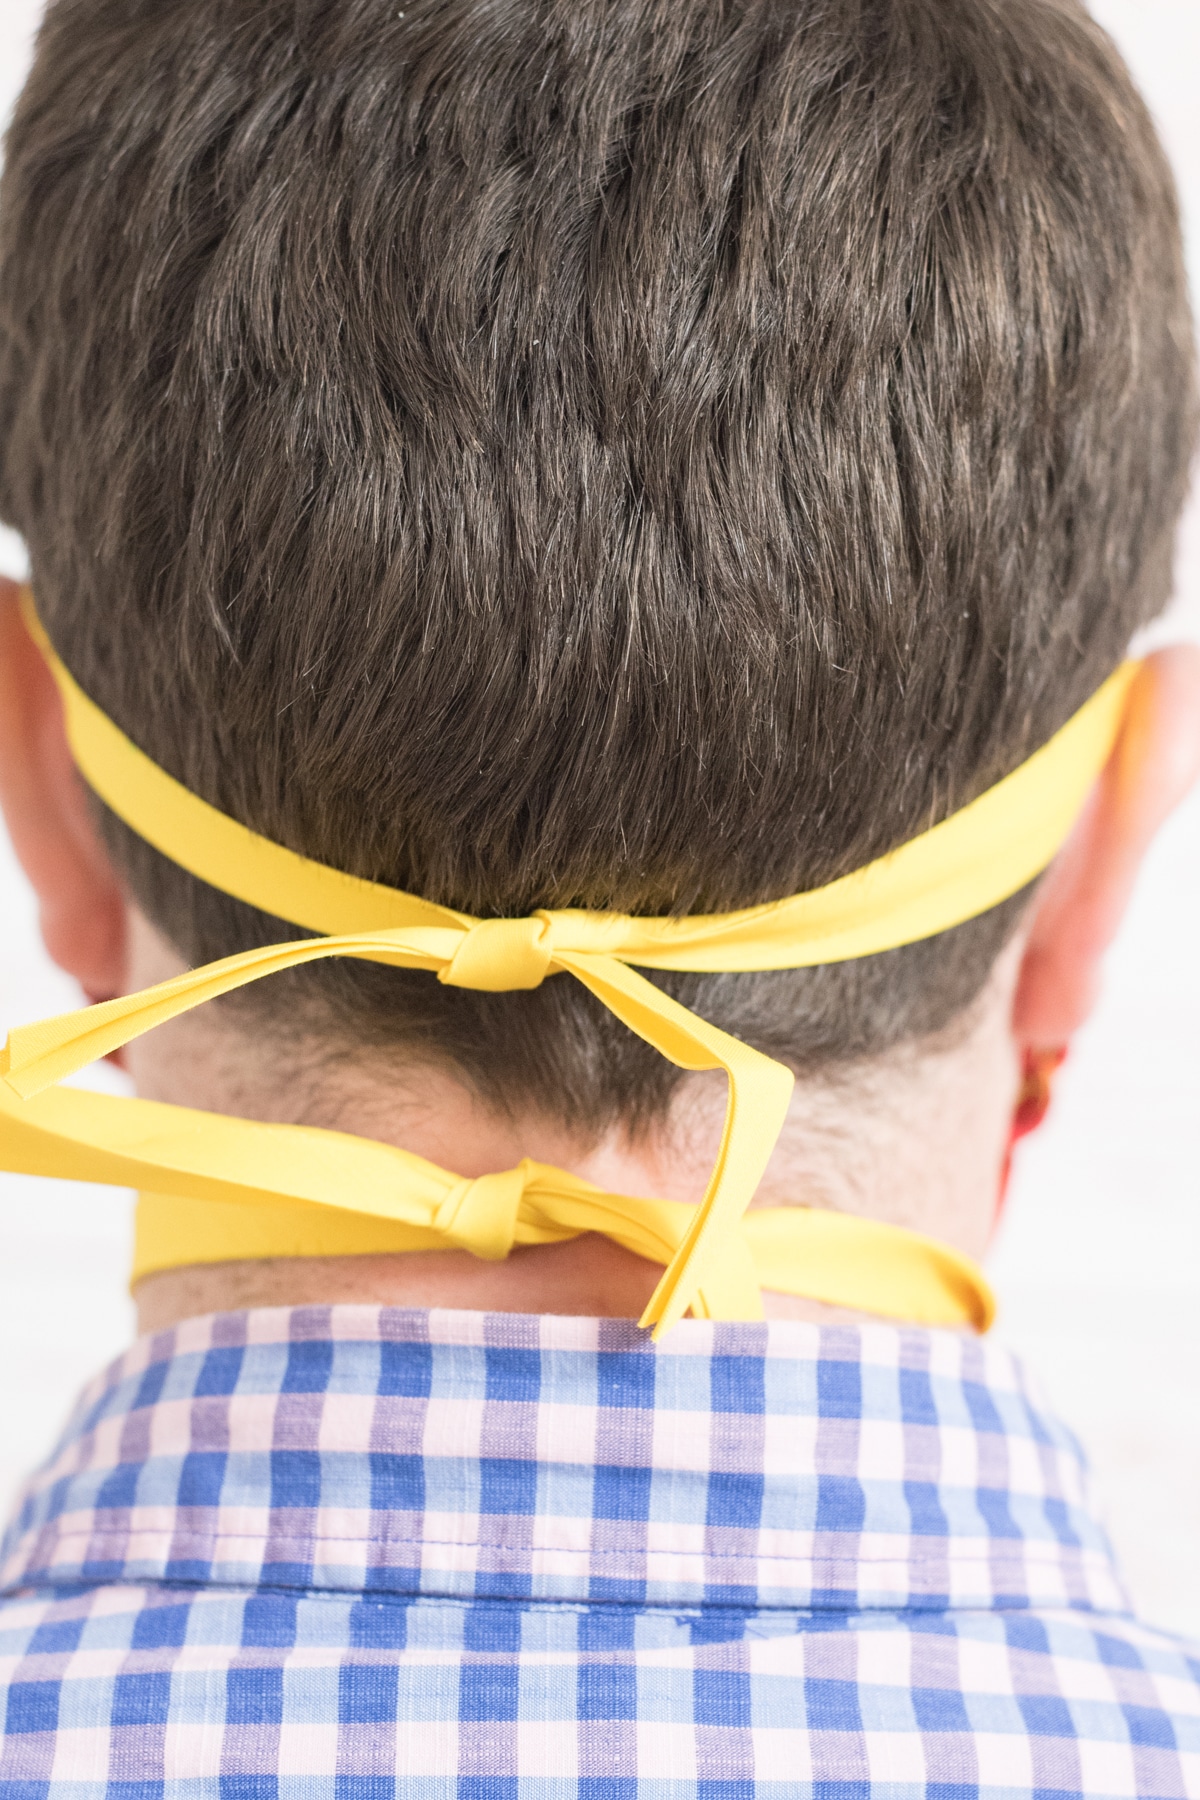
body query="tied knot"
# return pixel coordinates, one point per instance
(497, 956)
(481, 1215)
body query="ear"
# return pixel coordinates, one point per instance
(82, 905)
(1083, 899)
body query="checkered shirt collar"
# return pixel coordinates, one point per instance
(374, 1450)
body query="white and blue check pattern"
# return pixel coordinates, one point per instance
(354, 1553)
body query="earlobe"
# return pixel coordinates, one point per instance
(82, 906)
(1083, 899)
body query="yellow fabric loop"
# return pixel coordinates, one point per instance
(715, 1258)
(482, 1215)
(500, 956)
(970, 862)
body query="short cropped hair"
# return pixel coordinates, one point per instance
(648, 454)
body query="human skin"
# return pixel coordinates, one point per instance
(916, 1138)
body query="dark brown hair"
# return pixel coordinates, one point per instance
(657, 454)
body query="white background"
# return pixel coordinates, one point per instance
(1098, 1268)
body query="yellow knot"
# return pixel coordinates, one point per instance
(498, 955)
(481, 1215)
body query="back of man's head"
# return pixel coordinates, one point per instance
(558, 452)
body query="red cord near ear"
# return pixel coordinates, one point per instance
(1033, 1103)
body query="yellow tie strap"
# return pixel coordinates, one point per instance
(953, 872)
(252, 1190)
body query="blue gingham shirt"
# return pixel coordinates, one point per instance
(352, 1553)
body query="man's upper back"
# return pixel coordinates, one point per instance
(362, 1551)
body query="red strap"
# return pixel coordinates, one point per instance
(1033, 1103)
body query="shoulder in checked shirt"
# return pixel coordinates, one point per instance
(347, 1553)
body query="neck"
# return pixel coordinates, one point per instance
(916, 1138)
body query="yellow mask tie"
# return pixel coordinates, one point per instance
(963, 867)
(233, 1188)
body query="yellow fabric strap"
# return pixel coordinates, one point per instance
(960, 868)
(284, 1190)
